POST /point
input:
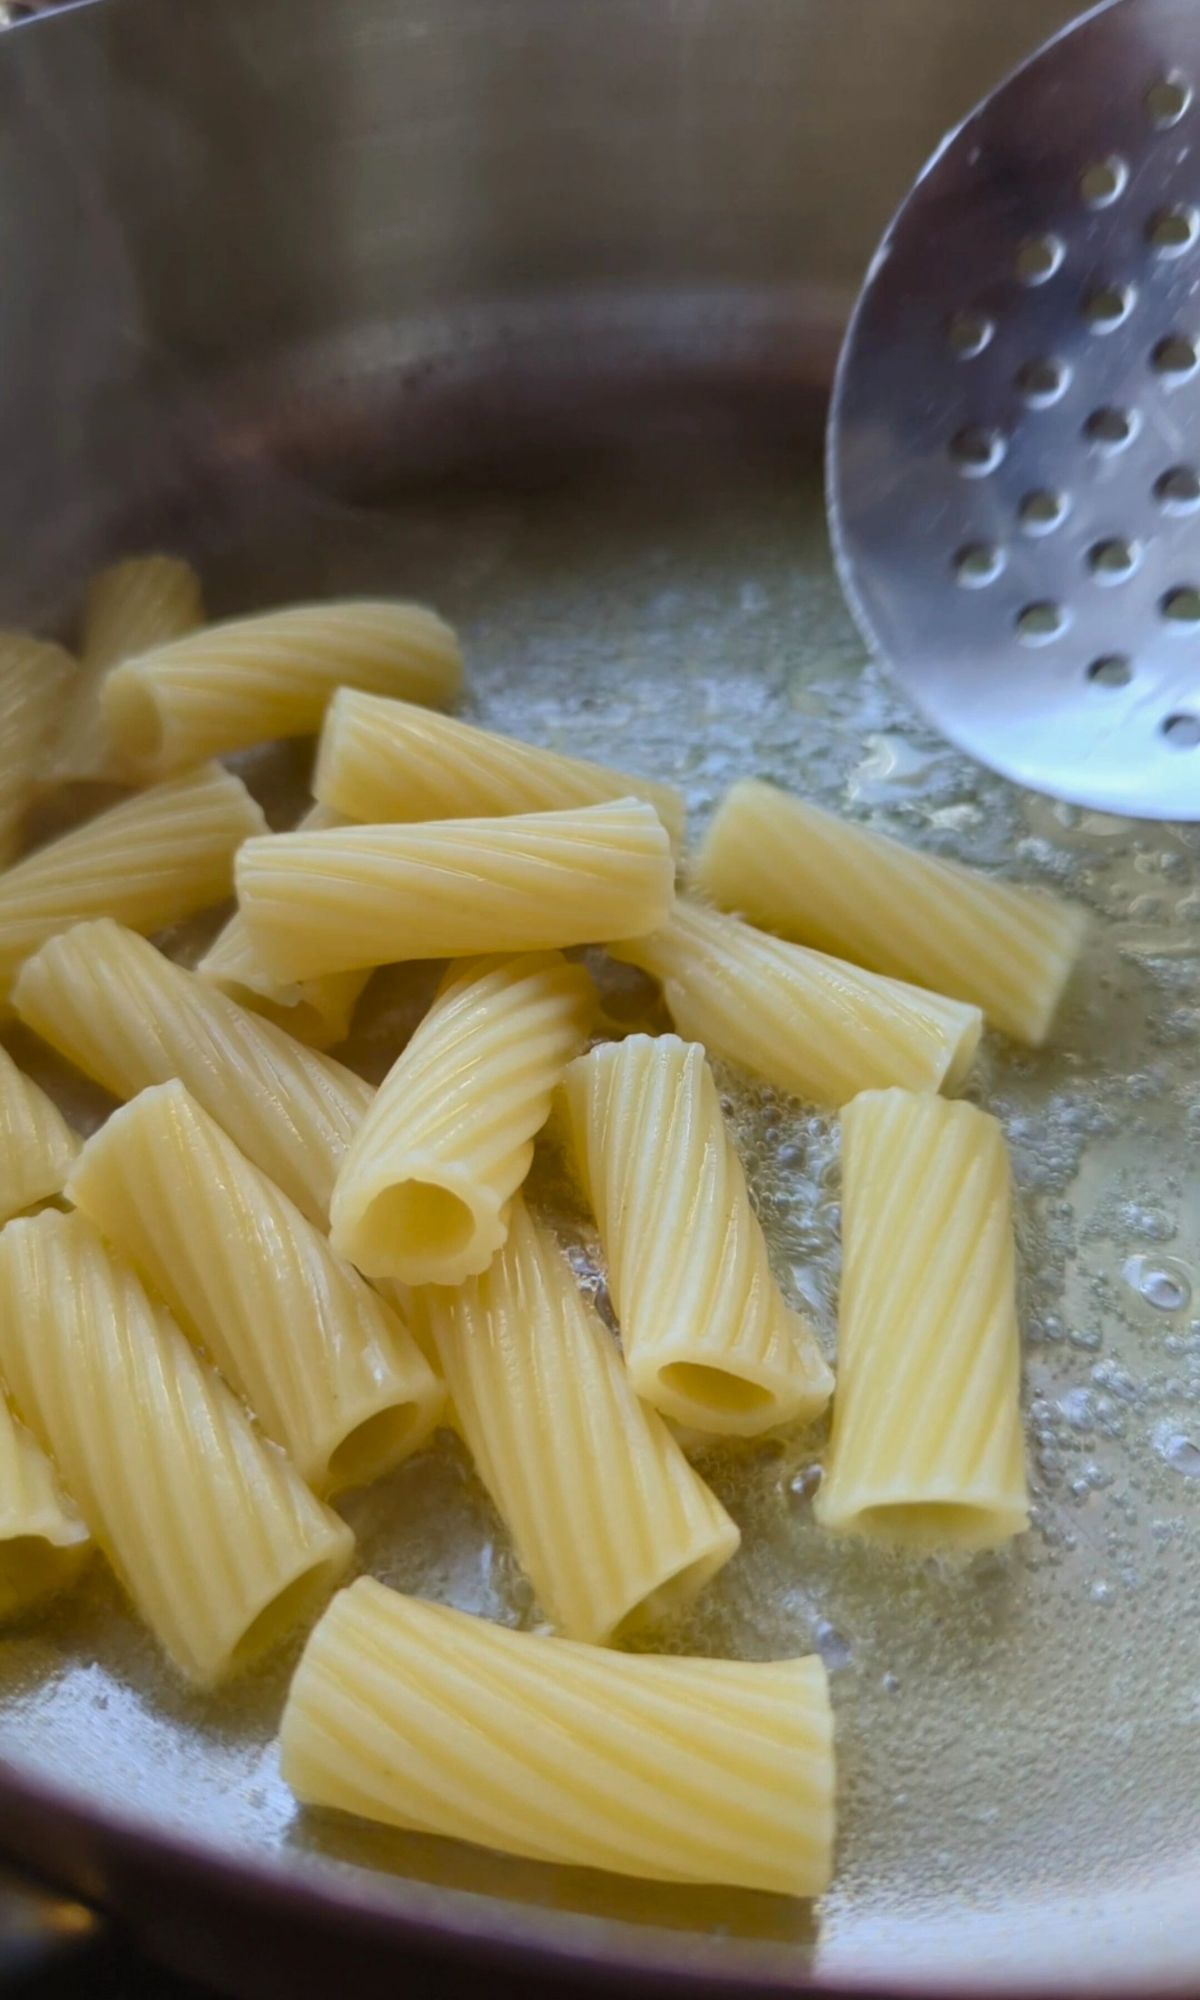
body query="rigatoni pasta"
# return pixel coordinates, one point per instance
(37, 1146)
(210, 1529)
(34, 679)
(249, 680)
(423, 1191)
(825, 882)
(708, 1338)
(149, 861)
(812, 1025)
(133, 605)
(927, 1448)
(316, 1011)
(329, 1369)
(381, 760)
(43, 1541)
(127, 1017)
(610, 1523)
(370, 895)
(678, 1770)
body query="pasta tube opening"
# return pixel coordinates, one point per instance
(939, 1524)
(296, 1604)
(131, 713)
(713, 1390)
(32, 1567)
(676, 1590)
(421, 1226)
(378, 1443)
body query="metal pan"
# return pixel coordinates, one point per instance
(530, 307)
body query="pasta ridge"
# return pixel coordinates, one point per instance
(135, 604)
(34, 676)
(37, 1146)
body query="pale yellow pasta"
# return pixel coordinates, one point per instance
(809, 1024)
(822, 881)
(371, 895)
(677, 1770)
(422, 1194)
(210, 1529)
(927, 1448)
(127, 1017)
(331, 1371)
(35, 680)
(708, 1338)
(610, 1523)
(316, 1011)
(250, 680)
(149, 861)
(43, 1542)
(388, 760)
(133, 605)
(37, 1146)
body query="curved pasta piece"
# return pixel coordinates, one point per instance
(131, 606)
(128, 1017)
(388, 760)
(37, 1146)
(927, 1449)
(423, 1191)
(812, 1025)
(43, 1542)
(708, 1338)
(149, 861)
(330, 1371)
(35, 680)
(823, 881)
(316, 1011)
(210, 1529)
(373, 895)
(250, 680)
(677, 1770)
(610, 1523)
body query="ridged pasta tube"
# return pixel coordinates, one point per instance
(330, 1371)
(423, 1191)
(372, 895)
(43, 1542)
(708, 1338)
(35, 683)
(822, 881)
(677, 1770)
(812, 1025)
(250, 680)
(382, 760)
(127, 1017)
(610, 1523)
(210, 1529)
(37, 1146)
(149, 861)
(131, 606)
(316, 1011)
(927, 1449)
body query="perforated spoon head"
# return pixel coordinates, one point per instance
(1014, 443)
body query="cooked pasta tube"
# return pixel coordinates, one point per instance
(210, 1529)
(316, 1011)
(609, 1521)
(811, 1025)
(927, 1448)
(331, 1371)
(423, 1191)
(127, 1017)
(43, 1542)
(37, 1146)
(250, 680)
(133, 605)
(385, 760)
(371, 895)
(678, 1770)
(35, 682)
(149, 861)
(708, 1338)
(823, 881)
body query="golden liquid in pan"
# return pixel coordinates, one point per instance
(1019, 1740)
